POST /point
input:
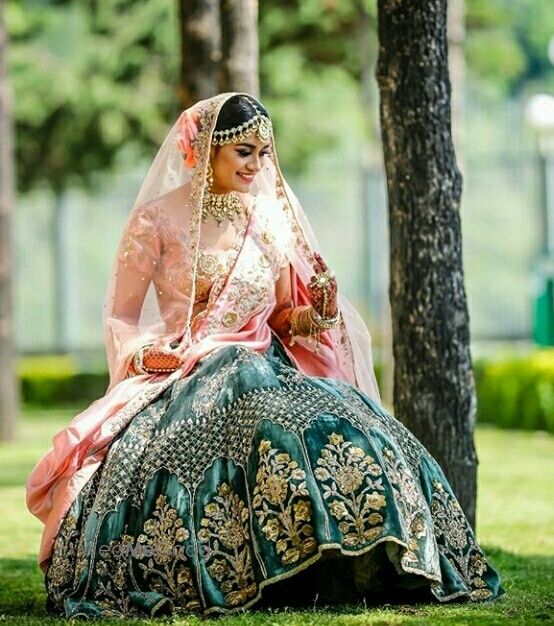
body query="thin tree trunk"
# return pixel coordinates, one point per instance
(434, 390)
(200, 50)
(239, 24)
(456, 19)
(9, 390)
(60, 269)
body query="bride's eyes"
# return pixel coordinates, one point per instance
(246, 153)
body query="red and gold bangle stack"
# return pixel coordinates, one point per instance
(307, 322)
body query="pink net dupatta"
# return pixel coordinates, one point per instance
(139, 308)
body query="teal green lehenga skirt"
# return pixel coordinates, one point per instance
(248, 483)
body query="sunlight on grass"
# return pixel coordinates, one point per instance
(515, 526)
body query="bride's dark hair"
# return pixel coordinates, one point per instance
(236, 110)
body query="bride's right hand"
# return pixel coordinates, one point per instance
(156, 359)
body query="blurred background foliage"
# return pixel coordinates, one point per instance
(95, 86)
(93, 78)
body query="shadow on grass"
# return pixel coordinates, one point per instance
(527, 580)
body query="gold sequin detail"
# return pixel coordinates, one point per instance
(229, 318)
(209, 265)
(268, 237)
(351, 483)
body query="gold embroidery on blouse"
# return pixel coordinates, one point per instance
(350, 483)
(268, 237)
(210, 265)
(283, 514)
(229, 318)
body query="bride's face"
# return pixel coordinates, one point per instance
(235, 165)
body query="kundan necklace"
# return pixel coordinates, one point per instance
(221, 206)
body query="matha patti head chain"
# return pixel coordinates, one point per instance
(259, 123)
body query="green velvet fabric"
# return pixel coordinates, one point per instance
(248, 483)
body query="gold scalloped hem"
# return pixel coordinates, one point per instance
(321, 549)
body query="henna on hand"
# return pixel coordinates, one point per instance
(316, 292)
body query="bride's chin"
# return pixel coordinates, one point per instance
(241, 188)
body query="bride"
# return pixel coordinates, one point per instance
(240, 455)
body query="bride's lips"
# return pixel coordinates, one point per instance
(247, 178)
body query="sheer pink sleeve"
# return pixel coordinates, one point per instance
(130, 299)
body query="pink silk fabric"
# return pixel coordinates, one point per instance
(79, 449)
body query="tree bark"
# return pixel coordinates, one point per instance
(9, 390)
(434, 390)
(239, 25)
(200, 50)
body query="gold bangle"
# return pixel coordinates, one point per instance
(306, 322)
(299, 322)
(326, 323)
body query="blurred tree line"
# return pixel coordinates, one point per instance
(94, 80)
(91, 79)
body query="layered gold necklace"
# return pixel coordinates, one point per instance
(221, 206)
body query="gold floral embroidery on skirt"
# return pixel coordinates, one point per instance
(409, 500)
(283, 513)
(456, 541)
(162, 556)
(226, 538)
(351, 483)
(112, 570)
(60, 571)
(159, 552)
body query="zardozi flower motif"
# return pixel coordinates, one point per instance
(281, 505)
(226, 537)
(351, 486)
(457, 542)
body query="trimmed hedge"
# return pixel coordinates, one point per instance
(512, 392)
(517, 391)
(58, 380)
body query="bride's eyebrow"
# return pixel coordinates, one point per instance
(251, 145)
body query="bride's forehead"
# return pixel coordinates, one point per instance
(248, 141)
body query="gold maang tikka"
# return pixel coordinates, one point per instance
(219, 205)
(258, 123)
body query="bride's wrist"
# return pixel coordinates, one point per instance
(137, 363)
(328, 321)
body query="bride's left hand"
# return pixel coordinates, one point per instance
(316, 291)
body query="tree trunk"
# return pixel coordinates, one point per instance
(9, 390)
(239, 25)
(456, 21)
(200, 50)
(434, 390)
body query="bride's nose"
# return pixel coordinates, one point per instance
(255, 165)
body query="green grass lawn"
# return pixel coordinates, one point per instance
(515, 527)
